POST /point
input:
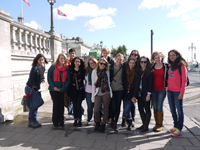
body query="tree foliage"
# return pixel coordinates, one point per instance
(120, 49)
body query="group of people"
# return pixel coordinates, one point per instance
(106, 83)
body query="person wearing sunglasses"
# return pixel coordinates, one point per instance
(77, 88)
(144, 95)
(88, 88)
(116, 77)
(136, 56)
(160, 73)
(101, 92)
(131, 80)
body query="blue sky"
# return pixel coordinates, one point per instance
(176, 23)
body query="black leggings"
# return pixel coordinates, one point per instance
(58, 107)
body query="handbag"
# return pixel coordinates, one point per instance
(34, 101)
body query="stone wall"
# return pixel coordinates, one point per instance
(19, 44)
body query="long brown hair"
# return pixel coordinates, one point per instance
(130, 73)
(35, 60)
(148, 66)
(82, 65)
(179, 60)
(88, 68)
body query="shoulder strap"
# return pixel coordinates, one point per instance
(116, 72)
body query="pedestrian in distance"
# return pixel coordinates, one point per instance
(144, 95)
(101, 92)
(36, 77)
(58, 79)
(131, 80)
(160, 73)
(176, 89)
(76, 89)
(116, 79)
(88, 88)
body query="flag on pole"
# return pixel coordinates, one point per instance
(61, 13)
(26, 1)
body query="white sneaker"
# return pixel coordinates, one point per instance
(69, 117)
(83, 117)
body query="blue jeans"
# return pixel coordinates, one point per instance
(176, 108)
(90, 105)
(32, 114)
(70, 108)
(116, 104)
(158, 97)
(127, 108)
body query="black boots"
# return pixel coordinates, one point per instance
(97, 126)
(129, 124)
(142, 116)
(146, 123)
(102, 128)
(123, 122)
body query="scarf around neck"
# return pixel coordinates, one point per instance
(102, 80)
(41, 71)
(89, 77)
(57, 71)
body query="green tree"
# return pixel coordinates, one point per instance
(120, 49)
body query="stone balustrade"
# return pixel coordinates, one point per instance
(26, 40)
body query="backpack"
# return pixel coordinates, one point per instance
(179, 69)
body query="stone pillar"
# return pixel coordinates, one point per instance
(6, 88)
(26, 43)
(55, 45)
(20, 42)
(31, 42)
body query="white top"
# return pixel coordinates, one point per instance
(94, 88)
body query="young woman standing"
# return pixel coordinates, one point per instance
(58, 79)
(176, 88)
(101, 92)
(131, 80)
(36, 77)
(144, 96)
(116, 77)
(76, 89)
(160, 74)
(88, 88)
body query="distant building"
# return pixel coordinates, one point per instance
(77, 43)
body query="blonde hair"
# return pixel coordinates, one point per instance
(57, 60)
(107, 64)
(105, 49)
(88, 68)
(154, 54)
(119, 55)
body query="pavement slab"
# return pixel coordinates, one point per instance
(104, 144)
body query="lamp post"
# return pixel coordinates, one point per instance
(191, 47)
(152, 41)
(51, 2)
(101, 44)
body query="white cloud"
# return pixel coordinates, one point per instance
(192, 24)
(99, 23)
(34, 25)
(178, 7)
(83, 10)
(197, 14)
(186, 17)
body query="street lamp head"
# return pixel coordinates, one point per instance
(101, 43)
(51, 1)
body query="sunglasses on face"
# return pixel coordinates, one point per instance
(103, 64)
(135, 54)
(143, 62)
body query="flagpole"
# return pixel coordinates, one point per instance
(21, 8)
(57, 22)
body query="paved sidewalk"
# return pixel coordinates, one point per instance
(18, 136)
